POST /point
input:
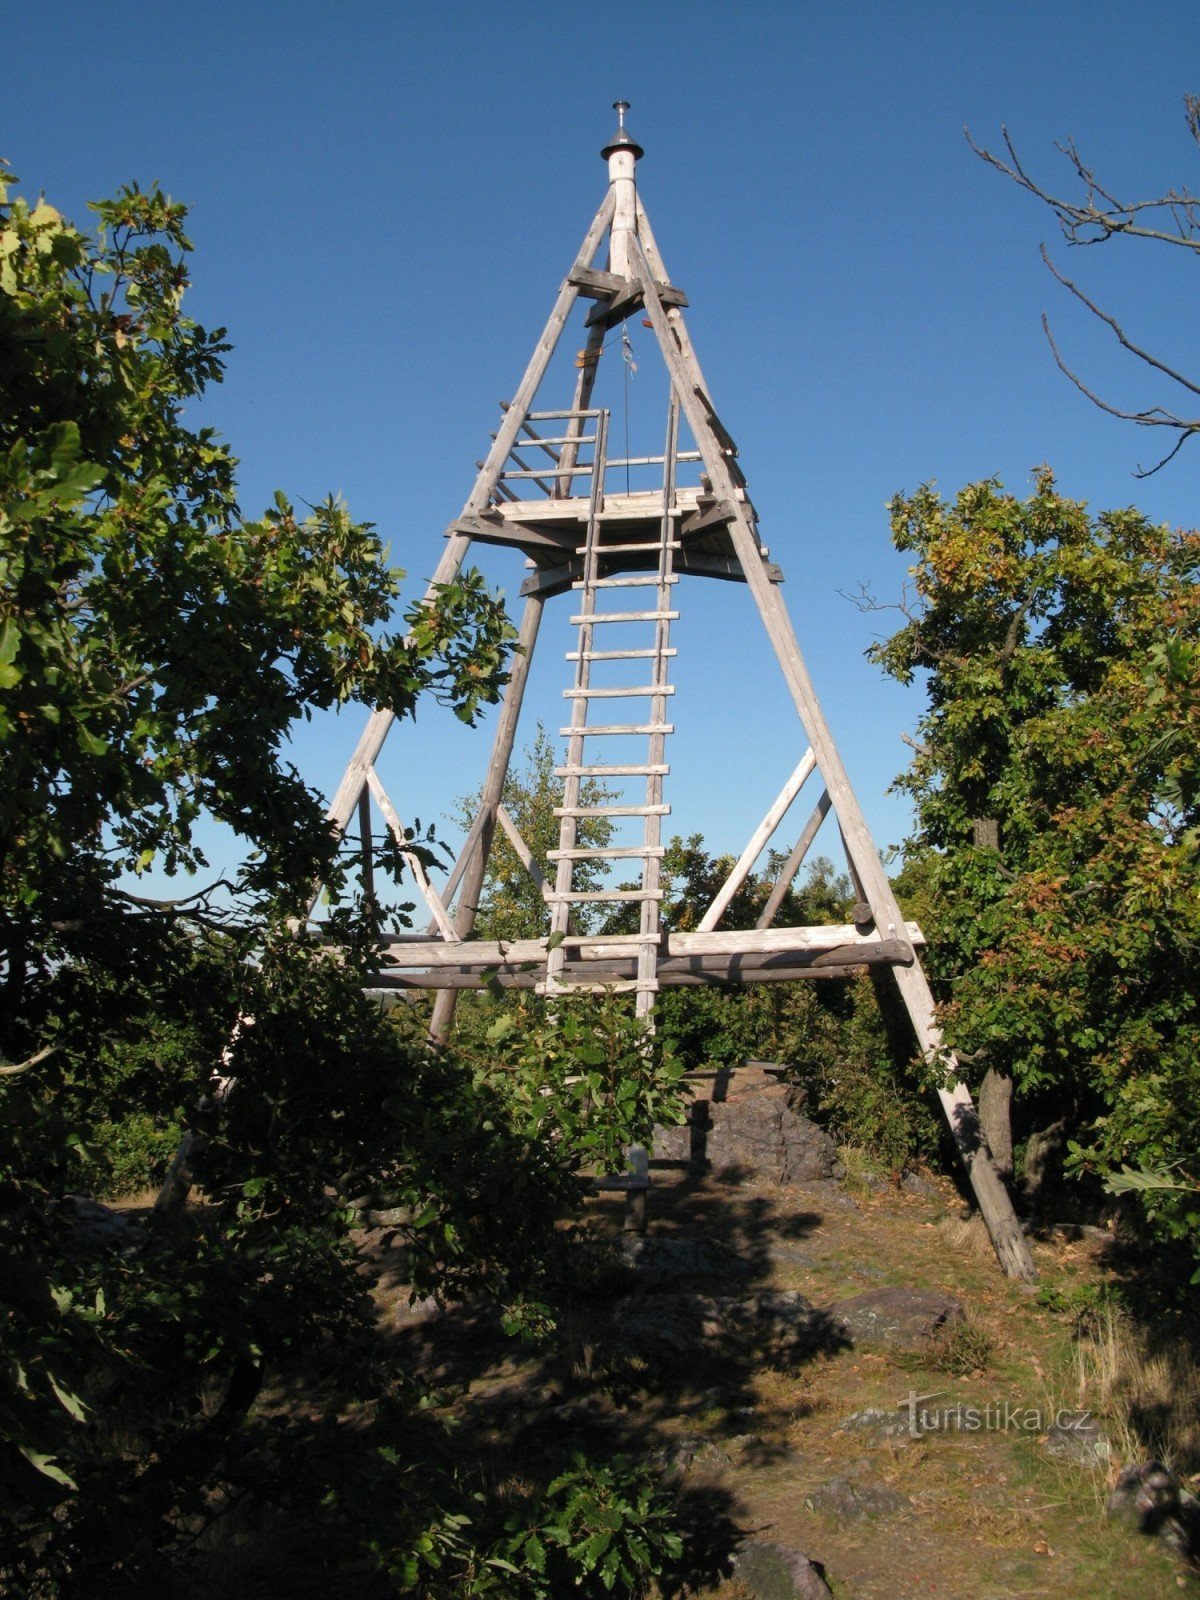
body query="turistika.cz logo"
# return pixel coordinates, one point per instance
(996, 1416)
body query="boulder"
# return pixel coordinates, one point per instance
(1078, 1438)
(1149, 1498)
(772, 1571)
(876, 1424)
(901, 1319)
(755, 1131)
(850, 1498)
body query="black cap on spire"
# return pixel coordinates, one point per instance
(621, 139)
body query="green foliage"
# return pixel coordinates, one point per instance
(136, 607)
(591, 1078)
(1059, 656)
(511, 904)
(597, 1531)
(155, 652)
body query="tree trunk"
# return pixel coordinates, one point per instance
(995, 1107)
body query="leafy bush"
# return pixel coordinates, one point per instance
(591, 1079)
(597, 1531)
(1061, 654)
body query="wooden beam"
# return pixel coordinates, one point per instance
(523, 853)
(415, 865)
(515, 534)
(472, 863)
(1010, 1244)
(758, 841)
(703, 520)
(794, 861)
(548, 581)
(600, 947)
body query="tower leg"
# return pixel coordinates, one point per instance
(995, 1203)
(493, 789)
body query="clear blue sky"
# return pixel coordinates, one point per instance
(384, 199)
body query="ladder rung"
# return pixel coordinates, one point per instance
(636, 549)
(612, 811)
(644, 580)
(627, 616)
(622, 852)
(644, 769)
(578, 896)
(648, 654)
(618, 694)
(645, 728)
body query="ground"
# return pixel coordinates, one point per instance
(751, 1421)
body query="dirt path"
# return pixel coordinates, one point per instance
(763, 1425)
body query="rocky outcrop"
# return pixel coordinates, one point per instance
(901, 1319)
(754, 1128)
(771, 1571)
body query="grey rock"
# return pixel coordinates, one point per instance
(100, 1227)
(415, 1313)
(772, 1571)
(915, 1183)
(1148, 1497)
(781, 1323)
(901, 1319)
(756, 1130)
(878, 1424)
(658, 1262)
(830, 1194)
(1078, 1438)
(850, 1498)
(691, 1451)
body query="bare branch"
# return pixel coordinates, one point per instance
(24, 1066)
(915, 744)
(1123, 338)
(1100, 215)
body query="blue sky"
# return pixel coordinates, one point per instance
(384, 199)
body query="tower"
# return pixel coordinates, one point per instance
(553, 488)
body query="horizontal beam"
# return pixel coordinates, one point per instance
(486, 953)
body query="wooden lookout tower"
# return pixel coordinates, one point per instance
(557, 488)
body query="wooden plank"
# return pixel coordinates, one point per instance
(523, 852)
(364, 839)
(415, 865)
(483, 953)
(606, 729)
(644, 769)
(605, 852)
(794, 861)
(549, 581)
(702, 564)
(596, 285)
(758, 840)
(625, 616)
(513, 534)
(611, 811)
(627, 300)
(705, 519)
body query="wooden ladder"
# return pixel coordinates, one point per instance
(631, 634)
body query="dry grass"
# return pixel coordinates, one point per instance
(1149, 1398)
(967, 1236)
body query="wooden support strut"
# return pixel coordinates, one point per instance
(1009, 1242)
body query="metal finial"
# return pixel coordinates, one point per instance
(621, 140)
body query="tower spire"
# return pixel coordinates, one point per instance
(622, 154)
